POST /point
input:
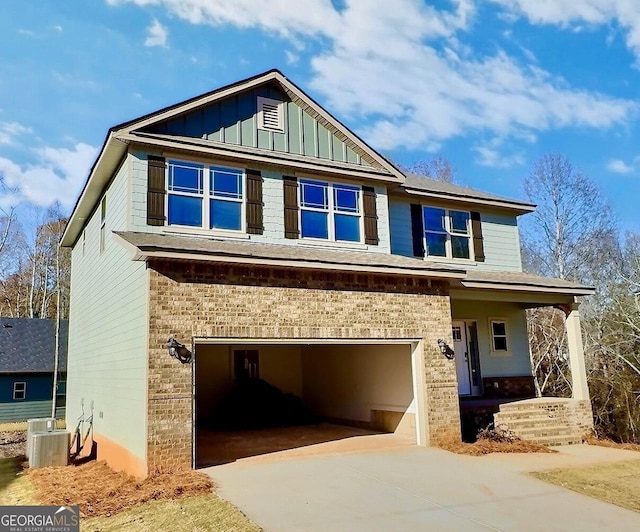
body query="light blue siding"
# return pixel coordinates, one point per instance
(500, 237)
(518, 361)
(108, 323)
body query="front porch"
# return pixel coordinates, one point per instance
(494, 366)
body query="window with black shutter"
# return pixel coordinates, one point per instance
(254, 202)
(155, 190)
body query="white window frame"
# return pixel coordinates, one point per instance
(506, 336)
(22, 391)
(448, 231)
(206, 195)
(279, 105)
(331, 211)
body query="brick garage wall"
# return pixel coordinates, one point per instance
(190, 300)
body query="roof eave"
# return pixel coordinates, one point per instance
(240, 154)
(530, 287)
(517, 207)
(101, 172)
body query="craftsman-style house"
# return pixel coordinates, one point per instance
(270, 243)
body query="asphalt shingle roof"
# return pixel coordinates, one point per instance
(27, 345)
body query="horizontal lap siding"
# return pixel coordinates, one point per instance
(500, 237)
(107, 337)
(21, 411)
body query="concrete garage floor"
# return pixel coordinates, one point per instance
(222, 447)
(413, 488)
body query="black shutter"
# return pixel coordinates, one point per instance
(370, 216)
(155, 190)
(254, 202)
(476, 231)
(417, 230)
(291, 229)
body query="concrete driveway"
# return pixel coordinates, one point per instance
(412, 488)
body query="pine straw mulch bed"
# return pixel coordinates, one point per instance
(493, 441)
(100, 491)
(12, 443)
(592, 439)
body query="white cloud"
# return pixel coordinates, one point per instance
(57, 27)
(10, 130)
(156, 34)
(491, 157)
(573, 14)
(57, 175)
(383, 64)
(618, 166)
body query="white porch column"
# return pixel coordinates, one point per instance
(576, 352)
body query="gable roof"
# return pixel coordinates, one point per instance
(119, 137)
(27, 345)
(423, 186)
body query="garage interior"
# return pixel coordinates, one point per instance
(255, 399)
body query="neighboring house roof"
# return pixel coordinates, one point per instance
(432, 188)
(149, 245)
(27, 345)
(118, 138)
(516, 281)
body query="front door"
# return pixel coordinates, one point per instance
(461, 350)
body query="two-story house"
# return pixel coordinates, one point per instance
(254, 228)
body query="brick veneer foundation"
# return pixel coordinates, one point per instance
(196, 300)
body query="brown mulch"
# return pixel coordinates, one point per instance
(487, 446)
(592, 439)
(13, 444)
(99, 490)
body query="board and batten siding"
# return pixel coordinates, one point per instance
(518, 360)
(500, 236)
(234, 120)
(273, 210)
(107, 329)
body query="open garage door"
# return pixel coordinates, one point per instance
(257, 398)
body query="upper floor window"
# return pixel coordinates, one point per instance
(330, 211)
(209, 197)
(447, 233)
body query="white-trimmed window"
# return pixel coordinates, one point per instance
(447, 233)
(270, 114)
(330, 211)
(19, 391)
(206, 197)
(499, 340)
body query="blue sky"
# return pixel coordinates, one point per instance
(490, 85)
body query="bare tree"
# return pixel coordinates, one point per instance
(572, 234)
(437, 168)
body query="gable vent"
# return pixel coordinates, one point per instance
(270, 114)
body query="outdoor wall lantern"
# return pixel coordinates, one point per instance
(178, 350)
(445, 349)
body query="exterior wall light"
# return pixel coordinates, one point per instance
(445, 349)
(178, 351)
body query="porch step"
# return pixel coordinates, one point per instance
(547, 421)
